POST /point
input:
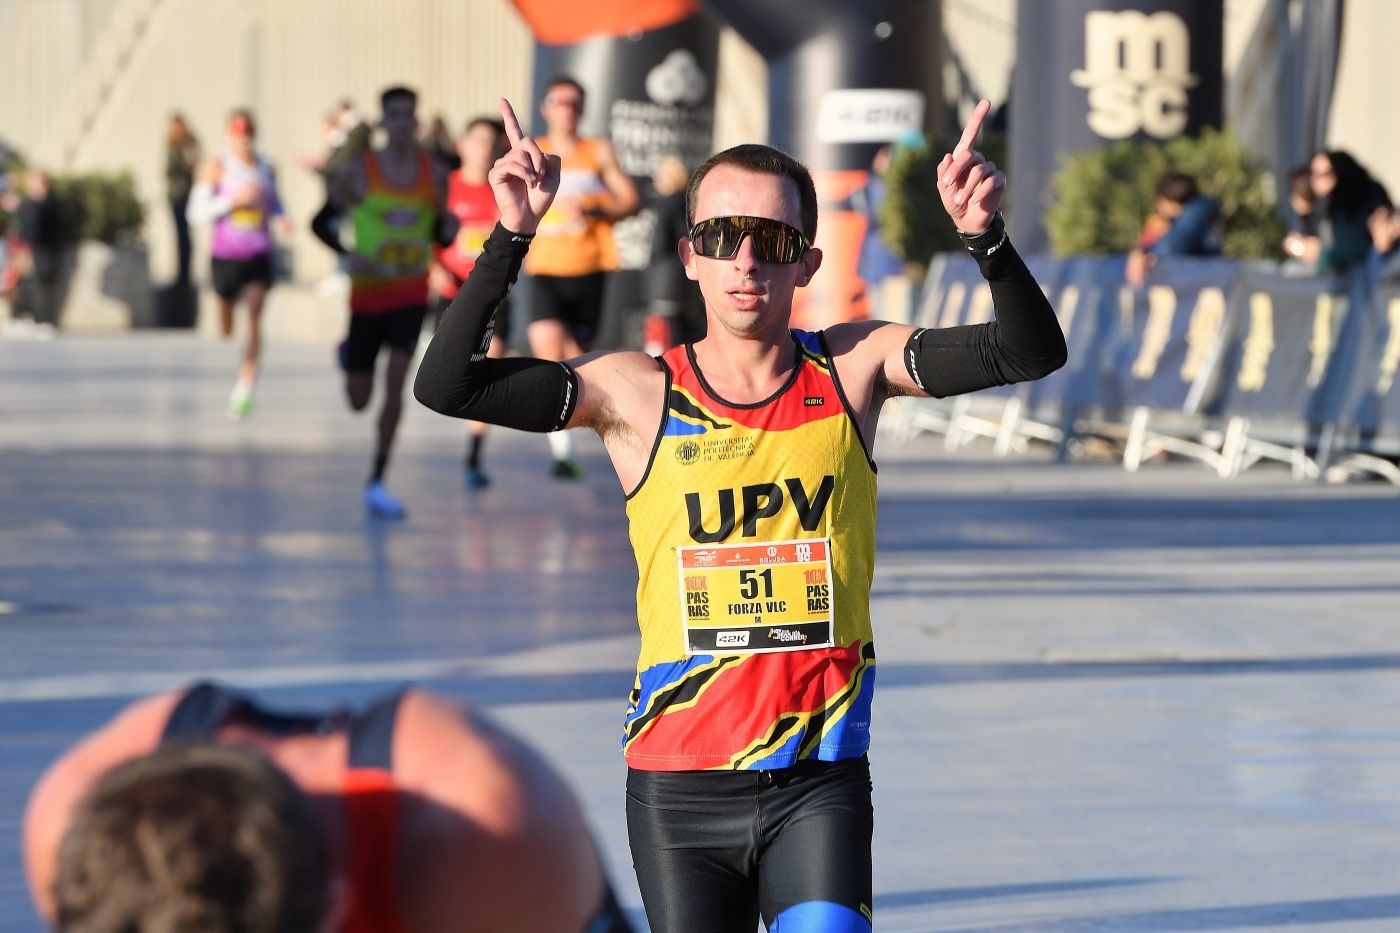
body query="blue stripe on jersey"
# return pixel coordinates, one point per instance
(656, 678)
(675, 427)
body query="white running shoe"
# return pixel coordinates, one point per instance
(240, 403)
(382, 505)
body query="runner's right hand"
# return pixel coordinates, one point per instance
(524, 180)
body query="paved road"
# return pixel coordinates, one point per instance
(1107, 701)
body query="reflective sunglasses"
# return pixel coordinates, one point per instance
(773, 240)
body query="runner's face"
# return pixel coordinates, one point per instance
(745, 296)
(400, 121)
(479, 148)
(562, 107)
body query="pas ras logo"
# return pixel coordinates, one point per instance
(732, 640)
(678, 80)
(1137, 69)
(688, 452)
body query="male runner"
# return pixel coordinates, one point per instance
(574, 245)
(237, 193)
(394, 197)
(751, 502)
(415, 814)
(469, 199)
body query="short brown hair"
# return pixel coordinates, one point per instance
(764, 160)
(193, 836)
(1177, 187)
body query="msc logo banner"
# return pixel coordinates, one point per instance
(1137, 70)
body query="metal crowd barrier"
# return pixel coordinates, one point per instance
(1225, 362)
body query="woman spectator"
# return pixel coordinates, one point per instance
(181, 162)
(1346, 198)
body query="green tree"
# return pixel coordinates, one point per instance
(1102, 197)
(913, 220)
(100, 207)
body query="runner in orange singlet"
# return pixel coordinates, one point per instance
(574, 248)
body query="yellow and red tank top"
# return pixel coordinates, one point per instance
(568, 240)
(394, 230)
(754, 533)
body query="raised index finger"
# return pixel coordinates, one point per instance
(974, 126)
(513, 131)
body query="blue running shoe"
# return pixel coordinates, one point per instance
(477, 479)
(382, 505)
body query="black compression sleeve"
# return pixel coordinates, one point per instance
(1024, 342)
(323, 225)
(456, 378)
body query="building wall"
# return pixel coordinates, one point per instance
(1361, 121)
(288, 61)
(43, 44)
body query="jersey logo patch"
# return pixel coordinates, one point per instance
(812, 401)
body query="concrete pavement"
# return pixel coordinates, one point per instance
(1157, 701)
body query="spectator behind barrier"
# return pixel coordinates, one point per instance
(1385, 241)
(1346, 196)
(1301, 244)
(1183, 223)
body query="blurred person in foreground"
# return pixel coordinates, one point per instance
(574, 247)
(181, 162)
(393, 197)
(750, 493)
(200, 810)
(237, 193)
(470, 201)
(1182, 223)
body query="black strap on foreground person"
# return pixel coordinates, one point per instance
(456, 378)
(1023, 343)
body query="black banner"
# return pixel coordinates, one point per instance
(1091, 72)
(1374, 406)
(1284, 334)
(1082, 299)
(1174, 330)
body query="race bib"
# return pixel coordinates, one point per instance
(246, 218)
(563, 217)
(471, 241)
(401, 257)
(755, 598)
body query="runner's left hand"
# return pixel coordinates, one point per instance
(970, 186)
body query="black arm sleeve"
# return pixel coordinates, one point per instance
(323, 225)
(457, 379)
(1024, 342)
